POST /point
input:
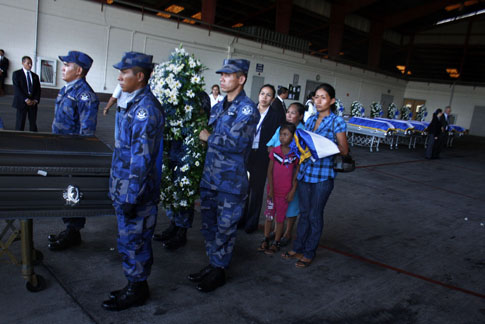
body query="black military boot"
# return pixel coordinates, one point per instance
(177, 241)
(134, 294)
(114, 293)
(198, 276)
(213, 280)
(167, 234)
(65, 239)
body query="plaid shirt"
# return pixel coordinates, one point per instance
(322, 169)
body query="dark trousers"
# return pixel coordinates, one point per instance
(76, 223)
(258, 169)
(433, 147)
(22, 113)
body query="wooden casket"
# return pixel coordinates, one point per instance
(48, 175)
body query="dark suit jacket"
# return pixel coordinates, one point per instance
(278, 105)
(274, 118)
(444, 122)
(4, 66)
(20, 88)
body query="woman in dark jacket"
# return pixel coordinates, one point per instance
(271, 119)
(433, 141)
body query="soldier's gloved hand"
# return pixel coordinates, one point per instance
(129, 210)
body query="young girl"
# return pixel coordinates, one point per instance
(282, 171)
(294, 115)
(315, 179)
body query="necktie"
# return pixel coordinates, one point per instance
(29, 83)
(284, 106)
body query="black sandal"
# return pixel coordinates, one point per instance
(275, 247)
(264, 245)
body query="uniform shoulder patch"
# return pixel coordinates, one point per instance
(141, 114)
(85, 96)
(247, 110)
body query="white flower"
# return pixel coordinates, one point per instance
(184, 168)
(195, 79)
(183, 203)
(188, 108)
(192, 63)
(197, 163)
(190, 94)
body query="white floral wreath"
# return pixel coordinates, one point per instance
(176, 84)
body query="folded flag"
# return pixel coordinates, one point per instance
(310, 145)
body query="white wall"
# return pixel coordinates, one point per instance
(81, 25)
(463, 99)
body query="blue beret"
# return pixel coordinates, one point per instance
(132, 59)
(234, 65)
(80, 58)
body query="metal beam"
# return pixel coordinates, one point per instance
(415, 13)
(283, 15)
(209, 11)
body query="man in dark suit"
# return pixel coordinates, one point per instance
(26, 95)
(445, 125)
(3, 70)
(279, 101)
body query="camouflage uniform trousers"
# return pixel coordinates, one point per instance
(135, 240)
(220, 213)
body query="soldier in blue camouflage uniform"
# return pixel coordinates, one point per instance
(224, 182)
(135, 178)
(75, 114)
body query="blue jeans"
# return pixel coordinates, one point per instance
(313, 198)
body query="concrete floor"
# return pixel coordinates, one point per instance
(403, 243)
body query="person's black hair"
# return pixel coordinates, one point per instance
(282, 90)
(146, 72)
(288, 126)
(25, 58)
(331, 92)
(299, 107)
(218, 88)
(1, 50)
(268, 86)
(310, 95)
(438, 111)
(241, 73)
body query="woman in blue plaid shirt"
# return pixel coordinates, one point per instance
(315, 179)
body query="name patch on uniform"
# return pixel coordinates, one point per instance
(142, 114)
(84, 96)
(247, 110)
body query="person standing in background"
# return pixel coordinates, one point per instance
(215, 95)
(26, 87)
(3, 71)
(279, 102)
(445, 123)
(271, 117)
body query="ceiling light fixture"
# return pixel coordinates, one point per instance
(475, 13)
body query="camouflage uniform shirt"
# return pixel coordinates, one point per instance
(76, 110)
(229, 145)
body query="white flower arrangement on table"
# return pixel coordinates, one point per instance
(340, 107)
(176, 84)
(392, 111)
(406, 113)
(422, 113)
(357, 109)
(376, 110)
